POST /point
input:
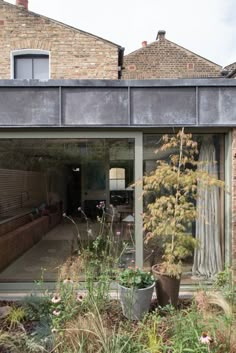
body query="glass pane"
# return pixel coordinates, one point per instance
(117, 173)
(42, 179)
(117, 184)
(23, 68)
(121, 166)
(41, 68)
(152, 252)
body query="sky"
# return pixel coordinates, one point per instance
(206, 27)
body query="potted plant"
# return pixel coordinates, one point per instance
(168, 218)
(135, 292)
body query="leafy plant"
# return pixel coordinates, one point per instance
(135, 278)
(98, 256)
(224, 283)
(153, 333)
(37, 307)
(124, 343)
(15, 316)
(185, 332)
(90, 333)
(6, 342)
(98, 288)
(173, 187)
(65, 304)
(100, 249)
(18, 342)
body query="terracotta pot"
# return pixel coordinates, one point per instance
(167, 288)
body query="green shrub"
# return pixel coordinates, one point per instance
(135, 278)
(16, 316)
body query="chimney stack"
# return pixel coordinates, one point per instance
(144, 43)
(161, 35)
(22, 3)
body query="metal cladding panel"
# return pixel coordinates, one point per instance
(163, 106)
(95, 106)
(117, 103)
(217, 105)
(31, 106)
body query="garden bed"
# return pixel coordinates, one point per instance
(68, 322)
(81, 317)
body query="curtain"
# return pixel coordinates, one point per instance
(207, 257)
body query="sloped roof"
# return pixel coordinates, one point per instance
(167, 57)
(34, 14)
(156, 43)
(231, 70)
(231, 67)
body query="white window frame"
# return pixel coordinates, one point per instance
(116, 179)
(20, 52)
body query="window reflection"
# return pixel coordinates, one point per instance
(42, 179)
(152, 254)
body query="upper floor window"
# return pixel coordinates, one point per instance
(31, 66)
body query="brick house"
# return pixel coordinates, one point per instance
(73, 134)
(73, 54)
(230, 70)
(165, 59)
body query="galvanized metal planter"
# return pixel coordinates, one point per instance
(135, 302)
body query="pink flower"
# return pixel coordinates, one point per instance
(56, 312)
(101, 205)
(205, 339)
(118, 233)
(56, 299)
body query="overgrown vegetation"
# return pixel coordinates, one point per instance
(70, 320)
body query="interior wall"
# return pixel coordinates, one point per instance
(21, 189)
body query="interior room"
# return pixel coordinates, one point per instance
(54, 192)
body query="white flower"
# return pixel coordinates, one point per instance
(80, 298)
(90, 232)
(205, 339)
(68, 280)
(56, 312)
(56, 299)
(54, 330)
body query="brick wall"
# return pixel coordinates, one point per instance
(234, 203)
(74, 54)
(164, 59)
(231, 69)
